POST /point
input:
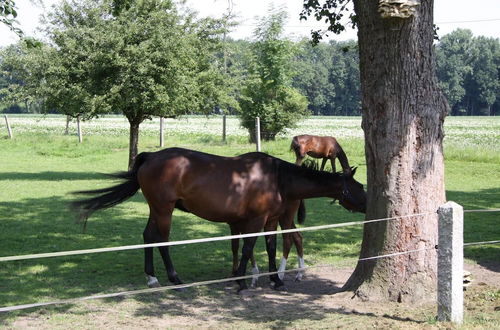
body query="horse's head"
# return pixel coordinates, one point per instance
(353, 196)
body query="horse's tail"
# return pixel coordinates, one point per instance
(344, 162)
(111, 196)
(301, 212)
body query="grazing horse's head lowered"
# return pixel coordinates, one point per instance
(353, 196)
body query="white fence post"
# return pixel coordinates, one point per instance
(162, 139)
(257, 132)
(450, 263)
(9, 130)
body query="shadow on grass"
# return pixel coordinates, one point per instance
(52, 176)
(480, 226)
(37, 225)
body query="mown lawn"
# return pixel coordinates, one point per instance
(41, 166)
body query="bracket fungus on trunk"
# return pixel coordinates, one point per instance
(397, 8)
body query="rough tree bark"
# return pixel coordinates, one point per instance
(133, 143)
(403, 115)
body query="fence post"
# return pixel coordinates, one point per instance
(9, 130)
(162, 140)
(450, 263)
(79, 129)
(224, 128)
(257, 132)
(66, 131)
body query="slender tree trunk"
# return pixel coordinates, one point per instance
(133, 143)
(403, 115)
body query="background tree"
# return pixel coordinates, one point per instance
(403, 112)
(483, 86)
(313, 67)
(148, 61)
(468, 71)
(345, 78)
(268, 93)
(454, 61)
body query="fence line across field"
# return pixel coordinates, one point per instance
(209, 239)
(202, 283)
(201, 240)
(449, 252)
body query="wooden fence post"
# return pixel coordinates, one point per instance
(257, 132)
(162, 136)
(79, 128)
(224, 128)
(450, 263)
(9, 130)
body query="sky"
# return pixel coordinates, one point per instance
(482, 17)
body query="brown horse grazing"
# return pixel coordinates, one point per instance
(250, 192)
(325, 147)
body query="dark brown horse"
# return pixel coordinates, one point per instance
(250, 192)
(325, 147)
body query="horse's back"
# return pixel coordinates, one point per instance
(315, 146)
(213, 187)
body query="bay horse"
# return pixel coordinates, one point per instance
(324, 147)
(250, 192)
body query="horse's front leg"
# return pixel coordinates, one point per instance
(323, 163)
(235, 242)
(332, 161)
(246, 254)
(271, 253)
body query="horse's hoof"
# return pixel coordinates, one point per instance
(152, 282)
(154, 285)
(281, 288)
(244, 292)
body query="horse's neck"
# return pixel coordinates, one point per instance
(342, 157)
(314, 184)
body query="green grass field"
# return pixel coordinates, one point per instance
(41, 166)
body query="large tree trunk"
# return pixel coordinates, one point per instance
(133, 143)
(403, 115)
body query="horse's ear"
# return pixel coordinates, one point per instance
(353, 170)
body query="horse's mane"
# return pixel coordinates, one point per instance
(308, 170)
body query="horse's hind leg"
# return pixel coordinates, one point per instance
(148, 236)
(297, 240)
(160, 229)
(288, 239)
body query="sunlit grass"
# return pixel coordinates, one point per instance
(41, 166)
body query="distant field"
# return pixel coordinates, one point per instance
(473, 138)
(41, 166)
